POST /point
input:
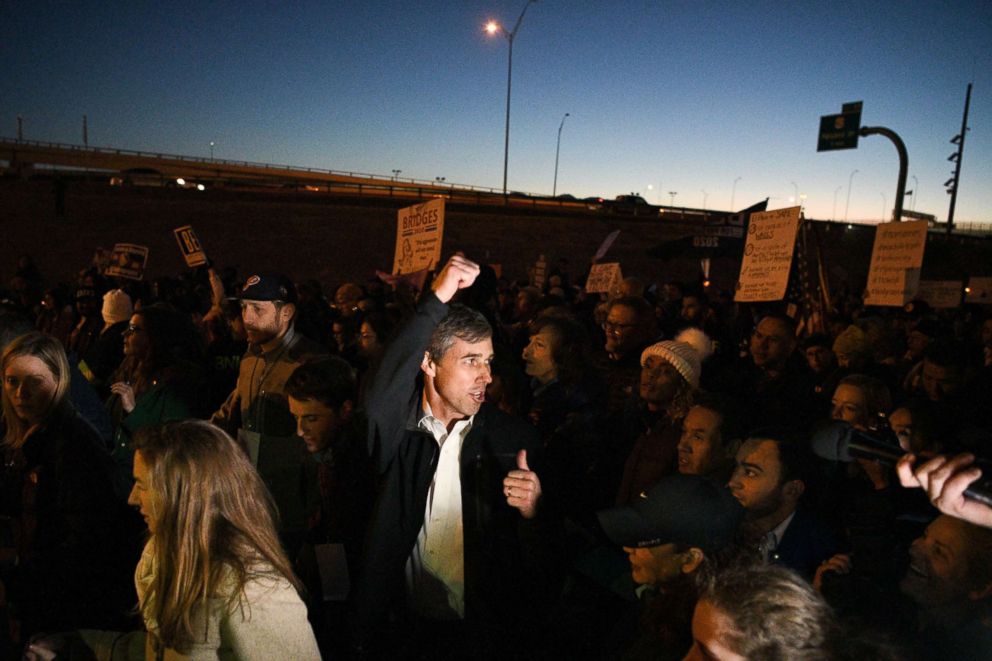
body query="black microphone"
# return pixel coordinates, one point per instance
(839, 441)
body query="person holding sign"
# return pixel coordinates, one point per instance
(459, 510)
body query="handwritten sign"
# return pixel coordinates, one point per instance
(940, 293)
(127, 260)
(419, 231)
(190, 246)
(771, 238)
(896, 259)
(602, 277)
(979, 291)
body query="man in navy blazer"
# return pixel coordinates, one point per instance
(771, 474)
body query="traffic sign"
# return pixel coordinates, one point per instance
(840, 131)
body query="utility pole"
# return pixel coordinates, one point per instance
(952, 183)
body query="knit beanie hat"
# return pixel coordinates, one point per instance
(852, 341)
(685, 353)
(116, 306)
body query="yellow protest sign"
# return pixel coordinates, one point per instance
(896, 259)
(771, 238)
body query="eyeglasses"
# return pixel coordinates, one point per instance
(616, 329)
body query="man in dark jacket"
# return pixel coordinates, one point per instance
(457, 515)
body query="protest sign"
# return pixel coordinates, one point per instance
(127, 260)
(190, 246)
(940, 293)
(419, 232)
(602, 277)
(896, 259)
(539, 273)
(771, 238)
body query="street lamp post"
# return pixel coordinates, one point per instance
(884, 205)
(795, 197)
(554, 189)
(396, 173)
(705, 195)
(833, 214)
(733, 193)
(847, 206)
(492, 27)
(211, 150)
(916, 190)
(673, 194)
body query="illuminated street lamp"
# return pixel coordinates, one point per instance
(554, 189)
(211, 150)
(492, 27)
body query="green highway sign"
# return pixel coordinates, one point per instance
(840, 131)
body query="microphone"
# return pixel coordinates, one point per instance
(839, 441)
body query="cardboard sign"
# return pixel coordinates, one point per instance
(602, 277)
(979, 291)
(189, 246)
(896, 259)
(940, 293)
(771, 239)
(127, 260)
(419, 231)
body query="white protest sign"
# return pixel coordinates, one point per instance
(127, 260)
(896, 259)
(979, 291)
(190, 246)
(771, 238)
(940, 293)
(602, 277)
(419, 231)
(539, 273)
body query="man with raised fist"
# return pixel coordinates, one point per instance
(458, 520)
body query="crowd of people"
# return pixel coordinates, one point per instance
(224, 465)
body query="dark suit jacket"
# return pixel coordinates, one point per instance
(806, 543)
(504, 553)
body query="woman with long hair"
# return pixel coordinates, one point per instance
(152, 384)
(74, 545)
(213, 581)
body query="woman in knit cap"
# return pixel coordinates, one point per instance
(108, 350)
(670, 372)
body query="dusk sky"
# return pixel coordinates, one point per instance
(663, 96)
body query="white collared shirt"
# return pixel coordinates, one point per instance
(435, 571)
(773, 538)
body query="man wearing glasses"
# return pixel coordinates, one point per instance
(629, 327)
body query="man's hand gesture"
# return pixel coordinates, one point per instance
(459, 273)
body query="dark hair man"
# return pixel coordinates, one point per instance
(458, 504)
(257, 413)
(771, 476)
(630, 326)
(711, 433)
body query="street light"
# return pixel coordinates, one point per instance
(916, 190)
(211, 150)
(554, 189)
(673, 194)
(795, 197)
(705, 195)
(492, 27)
(733, 192)
(884, 206)
(850, 180)
(396, 173)
(833, 214)
(440, 180)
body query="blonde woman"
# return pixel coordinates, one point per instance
(74, 545)
(213, 581)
